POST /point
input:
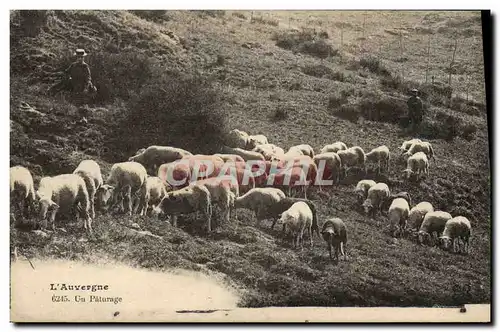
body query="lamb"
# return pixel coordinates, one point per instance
(269, 151)
(361, 190)
(64, 191)
(424, 147)
(354, 156)
(456, 229)
(129, 176)
(90, 172)
(417, 214)
(156, 190)
(191, 199)
(220, 194)
(256, 140)
(298, 218)
(156, 155)
(237, 139)
(229, 157)
(302, 149)
(331, 164)
(417, 164)
(275, 210)
(334, 233)
(402, 194)
(22, 190)
(407, 144)
(335, 147)
(398, 215)
(376, 197)
(259, 200)
(245, 154)
(381, 156)
(433, 222)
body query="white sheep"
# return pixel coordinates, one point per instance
(298, 218)
(334, 233)
(64, 191)
(361, 190)
(398, 215)
(407, 144)
(155, 155)
(22, 190)
(237, 139)
(256, 140)
(156, 190)
(434, 222)
(381, 156)
(220, 194)
(90, 172)
(424, 147)
(259, 200)
(335, 147)
(125, 177)
(376, 196)
(245, 154)
(417, 214)
(456, 229)
(301, 150)
(229, 157)
(417, 164)
(195, 198)
(270, 151)
(354, 156)
(331, 164)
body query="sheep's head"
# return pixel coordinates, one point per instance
(45, 204)
(360, 195)
(445, 242)
(367, 206)
(408, 173)
(104, 195)
(424, 237)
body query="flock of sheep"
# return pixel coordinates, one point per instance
(251, 173)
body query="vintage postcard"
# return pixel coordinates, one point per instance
(249, 166)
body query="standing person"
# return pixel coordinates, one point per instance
(415, 110)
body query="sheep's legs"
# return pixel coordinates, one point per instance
(310, 236)
(53, 218)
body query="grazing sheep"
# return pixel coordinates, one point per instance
(361, 190)
(90, 172)
(298, 218)
(237, 139)
(434, 222)
(245, 154)
(195, 198)
(258, 200)
(256, 140)
(22, 190)
(377, 194)
(335, 234)
(417, 164)
(417, 214)
(245, 178)
(381, 156)
(335, 147)
(220, 194)
(290, 178)
(332, 166)
(269, 151)
(302, 149)
(402, 194)
(354, 156)
(407, 144)
(456, 229)
(155, 155)
(176, 174)
(64, 191)
(229, 157)
(424, 147)
(398, 215)
(275, 210)
(155, 192)
(125, 177)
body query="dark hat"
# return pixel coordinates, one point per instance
(80, 52)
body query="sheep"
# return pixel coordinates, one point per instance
(156, 190)
(417, 164)
(298, 218)
(291, 177)
(129, 173)
(229, 157)
(302, 149)
(64, 191)
(398, 215)
(269, 151)
(402, 194)
(275, 210)
(258, 200)
(22, 190)
(176, 174)
(90, 172)
(334, 233)
(237, 139)
(381, 156)
(245, 154)
(191, 199)
(220, 193)
(156, 155)
(456, 229)
(354, 156)
(417, 214)
(424, 147)
(407, 144)
(335, 147)
(361, 190)
(255, 140)
(375, 198)
(433, 222)
(330, 164)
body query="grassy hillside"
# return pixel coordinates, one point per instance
(186, 78)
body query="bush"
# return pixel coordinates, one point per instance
(317, 70)
(447, 126)
(374, 65)
(263, 20)
(348, 112)
(383, 109)
(239, 15)
(280, 114)
(307, 42)
(336, 100)
(151, 15)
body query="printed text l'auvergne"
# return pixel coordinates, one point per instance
(72, 287)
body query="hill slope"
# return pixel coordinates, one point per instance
(185, 78)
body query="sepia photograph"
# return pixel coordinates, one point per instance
(250, 166)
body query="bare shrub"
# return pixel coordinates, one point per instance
(307, 42)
